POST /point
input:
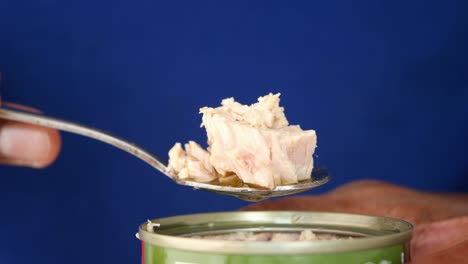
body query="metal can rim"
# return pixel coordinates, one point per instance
(401, 234)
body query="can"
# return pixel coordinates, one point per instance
(379, 240)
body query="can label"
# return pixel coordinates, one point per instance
(389, 255)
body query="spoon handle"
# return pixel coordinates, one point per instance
(35, 119)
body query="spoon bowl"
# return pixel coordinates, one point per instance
(319, 176)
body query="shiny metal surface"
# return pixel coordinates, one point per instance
(319, 176)
(372, 232)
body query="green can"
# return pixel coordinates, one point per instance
(180, 239)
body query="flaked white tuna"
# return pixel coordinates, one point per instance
(253, 142)
(193, 163)
(304, 235)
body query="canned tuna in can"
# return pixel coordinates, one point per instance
(263, 237)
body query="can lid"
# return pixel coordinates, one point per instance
(376, 232)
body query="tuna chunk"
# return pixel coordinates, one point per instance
(191, 164)
(253, 142)
(304, 235)
(285, 237)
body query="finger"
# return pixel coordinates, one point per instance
(454, 254)
(28, 145)
(439, 236)
(339, 198)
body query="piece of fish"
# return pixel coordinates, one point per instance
(304, 235)
(255, 142)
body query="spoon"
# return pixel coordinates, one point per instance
(319, 176)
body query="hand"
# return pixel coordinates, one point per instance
(441, 220)
(27, 145)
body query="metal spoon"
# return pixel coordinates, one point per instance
(319, 176)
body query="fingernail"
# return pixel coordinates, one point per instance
(22, 144)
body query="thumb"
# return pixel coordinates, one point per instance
(28, 145)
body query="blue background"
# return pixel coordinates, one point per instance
(384, 83)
